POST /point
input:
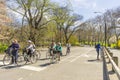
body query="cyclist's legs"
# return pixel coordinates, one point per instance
(29, 53)
(68, 49)
(51, 52)
(14, 56)
(58, 55)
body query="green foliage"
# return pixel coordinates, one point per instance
(113, 45)
(77, 44)
(118, 43)
(3, 47)
(51, 29)
(74, 41)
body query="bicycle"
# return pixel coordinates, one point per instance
(38, 54)
(68, 51)
(55, 57)
(7, 59)
(29, 58)
(48, 53)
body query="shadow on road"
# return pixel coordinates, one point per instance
(10, 67)
(44, 59)
(94, 60)
(1, 65)
(44, 65)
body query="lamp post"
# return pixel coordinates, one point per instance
(105, 32)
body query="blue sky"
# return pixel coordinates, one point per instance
(88, 7)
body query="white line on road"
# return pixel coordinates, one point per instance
(68, 58)
(75, 59)
(1, 63)
(33, 68)
(82, 55)
(20, 78)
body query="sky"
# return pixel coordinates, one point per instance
(88, 7)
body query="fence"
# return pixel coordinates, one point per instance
(113, 61)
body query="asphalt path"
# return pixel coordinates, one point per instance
(81, 64)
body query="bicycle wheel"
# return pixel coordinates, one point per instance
(33, 58)
(67, 52)
(51, 58)
(38, 54)
(21, 60)
(47, 55)
(7, 59)
(57, 59)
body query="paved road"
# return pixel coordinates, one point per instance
(81, 64)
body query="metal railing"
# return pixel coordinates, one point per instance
(114, 65)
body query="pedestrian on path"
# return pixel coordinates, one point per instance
(98, 47)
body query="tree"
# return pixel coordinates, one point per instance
(34, 12)
(65, 22)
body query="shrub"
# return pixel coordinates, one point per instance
(3, 47)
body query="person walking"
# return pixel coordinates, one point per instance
(98, 47)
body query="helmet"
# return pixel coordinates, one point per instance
(29, 41)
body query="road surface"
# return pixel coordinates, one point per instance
(81, 64)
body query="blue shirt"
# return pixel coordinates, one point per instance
(98, 46)
(15, 46)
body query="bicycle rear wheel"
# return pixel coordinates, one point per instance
(67, 52)
(7, 60)
(38, 54)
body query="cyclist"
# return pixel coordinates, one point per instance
(58, 49)
(15, 47)
(68, 45)
(30, 48)
(52, 47)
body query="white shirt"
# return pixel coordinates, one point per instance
(68, 45)
(31, 47)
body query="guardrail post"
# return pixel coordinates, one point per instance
(115, 59)
(111, 54)
(108, 50)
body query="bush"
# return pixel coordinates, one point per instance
(3, 47)
(76, 44)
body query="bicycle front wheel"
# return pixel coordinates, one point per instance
(47, 55)
(33, 58)
(21, 60)
(7, 60)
